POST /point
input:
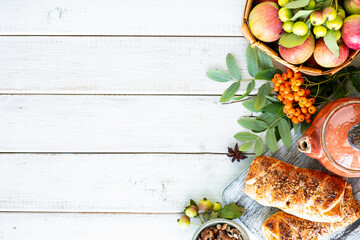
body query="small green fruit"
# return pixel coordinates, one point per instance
(283, 2)
(335, 24)
(285, 14)
(341, 13)
(338, 34)
(316, 18)
(320, 31)
(311, 5)
(287, 26)
(204, 204)
(184, 222)
(329, 13)
(216, 206)
(191, 211)
(300, 28)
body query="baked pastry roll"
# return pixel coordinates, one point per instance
(308, 194)
(283, 226)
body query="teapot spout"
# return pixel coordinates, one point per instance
(304, 145)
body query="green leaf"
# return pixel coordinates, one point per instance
(259, 147)
(297, 4)
(296, 127)
(271, 140)
(272, 99)
(355, 81)
(245, 136)
(231, 211)
(230, 92)
(249, 89)
(304, 126)
(284, 131)
(246, 146)
(269, 118)
(301, 14)
(331, 42)
(260, 98)
(249, 105)
(219, 76)
(233, 67)
(341, 92)
(280, 113)
(272, 108)
(252, 61)
(267, 74)
(290, 40)
(213, 215)
(192, 202)
(264, 60)
(253, 124)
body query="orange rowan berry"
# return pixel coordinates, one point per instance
(277, 75)
(277, 84)
(282, 94)
(297, 74)
(280, 97)
(301, 92)
(287, 90)
(307, 115)
(307, 92)
(301, 105)
(295, 120)
(297, 112)
(296, 97)
(292, 80)
(289, 114)
(280, 80)
(273, 80)
(287, 84)
(304, 110)
(289, 96)
(284, 76)
(295, 88)
(308, 120)
(297, 82)
(290, 73)
(308, 103)
(312, 110)
(302, 80)
(276, 89)
(285, 110)
(312, 100)
(282, 87)
(303, 100)
(288, 106)
(301, 117)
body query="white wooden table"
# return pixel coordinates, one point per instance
(108, 122)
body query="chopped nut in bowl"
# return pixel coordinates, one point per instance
(220, 229)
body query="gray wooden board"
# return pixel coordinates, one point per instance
(256, 214)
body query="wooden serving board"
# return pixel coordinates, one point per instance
(256, 214)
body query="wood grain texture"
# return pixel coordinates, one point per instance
(55, 226)
(256, 214)
(122, 17)
(116, 65)
(152, 183)
(83, 123)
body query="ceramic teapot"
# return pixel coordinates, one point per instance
(334, 137)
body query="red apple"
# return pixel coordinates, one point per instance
(325, 58)
(350, 31)
(264, 22)
(260, 1)
(298, 54)
(352, 6)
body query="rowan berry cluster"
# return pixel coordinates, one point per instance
(298, 104)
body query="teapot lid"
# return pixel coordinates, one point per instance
(340, 136)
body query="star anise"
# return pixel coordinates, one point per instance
(235, 154)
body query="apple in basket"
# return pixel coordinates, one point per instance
(351, 31)
(298, 54)
(264, 22)
(324, 57)
(352, 6)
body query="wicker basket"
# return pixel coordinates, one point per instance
(304, 69)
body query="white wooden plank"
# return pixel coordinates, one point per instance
(44, 226)
(98, 123)
(116, 65)
(154, 183)
(121, 17)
